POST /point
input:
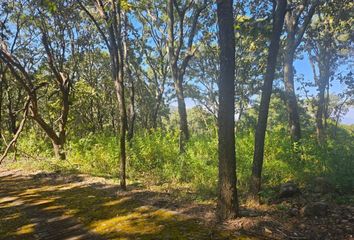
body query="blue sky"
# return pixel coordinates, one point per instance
(303, 67)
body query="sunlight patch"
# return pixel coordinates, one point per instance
(26, 229)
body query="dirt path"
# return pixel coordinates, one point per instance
(53, 206)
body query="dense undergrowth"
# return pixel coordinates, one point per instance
(153, 158)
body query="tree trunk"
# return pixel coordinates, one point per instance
(156, 110)
(321, 102)
(319, 116)
(294, 119)
(227, 206)
(255, 184)
(59, 150)
(123, 129)
(326, 108)
(131, 110)
(182, 112)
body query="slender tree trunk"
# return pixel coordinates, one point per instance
(294, 118)
(156, 110)
(255, 184)
(12, 116)
(99, 117)
(182, 112)
(319, 116)
(12, 122)
(123, 129)
(131, 111)
(326, 108)
(227, 206)
(321, 104)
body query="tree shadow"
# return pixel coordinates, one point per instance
(53, 206)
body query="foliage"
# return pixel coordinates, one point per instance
(153, 158)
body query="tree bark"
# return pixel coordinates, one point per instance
(131, 109)
(321, 102)
(292, 107)
(319, 117)
(156, 110)
(123, 129)
(58, 150)
(255, 184)
(227, 205)
(182, 112)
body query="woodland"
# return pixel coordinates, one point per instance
(176, 119)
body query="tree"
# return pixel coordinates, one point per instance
(227, 206)
(328, 44)
(278, 22)
(57, 56)
(297, 19)
(152, 73)
(109, 24)
(181, 51)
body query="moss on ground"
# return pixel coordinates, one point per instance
(25, 202)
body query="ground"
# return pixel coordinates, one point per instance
(42, 205)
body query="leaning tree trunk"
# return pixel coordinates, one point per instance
(294, 119)
(227, 206)
(255, 184)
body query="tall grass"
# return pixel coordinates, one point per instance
(153, 157)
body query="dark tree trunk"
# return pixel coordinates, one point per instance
(227, 206)
(255, 184)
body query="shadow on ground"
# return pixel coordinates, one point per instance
(53, 207)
